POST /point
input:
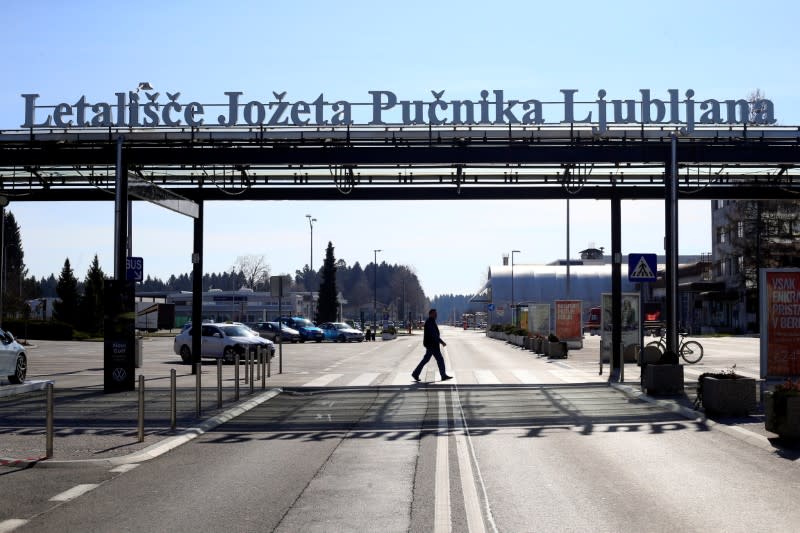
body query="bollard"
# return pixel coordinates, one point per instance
(49, 422)
(257, 361)
(246, 364)
(262, 353)
(236, 377)
(173, 399)
(269, 363)
(141, 409)
(611, 364)
(622, 362)
(251, 356)
(198, 390)
(219, 383)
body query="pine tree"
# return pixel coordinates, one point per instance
(66, 309)
(14, 270)
(90, 318)
(327, 304)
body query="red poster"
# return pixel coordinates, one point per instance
(569, 320)
(782, 322)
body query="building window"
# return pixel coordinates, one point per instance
(740, 229)
(721, 235)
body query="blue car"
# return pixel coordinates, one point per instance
(308, 331)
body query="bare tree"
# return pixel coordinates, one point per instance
(254, 269)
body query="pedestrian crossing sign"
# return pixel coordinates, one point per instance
(642, 267)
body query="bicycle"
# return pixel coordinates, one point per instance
(690, 351)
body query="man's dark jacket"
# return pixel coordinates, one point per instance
(430, 338)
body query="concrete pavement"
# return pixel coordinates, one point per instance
(93, 426)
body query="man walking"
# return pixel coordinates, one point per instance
(431, 340)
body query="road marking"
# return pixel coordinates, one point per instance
(472, 505)
(322, 380)
(364, 379)
(486, 377)
(569, 376)
(125, 468)
(11, 524)
(403, 378)
(74, 492)
(441, 513)
(525, 376)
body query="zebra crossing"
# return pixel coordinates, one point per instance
(477, 376)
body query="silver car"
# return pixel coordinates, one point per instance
(220, 341)
(13, 361)
(269, 330)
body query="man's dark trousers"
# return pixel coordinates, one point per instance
(436, 353)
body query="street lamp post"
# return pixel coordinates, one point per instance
(375, 292)
(311, 227)
(513, 309)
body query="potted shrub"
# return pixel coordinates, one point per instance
(782, 409)
(726, 393)
(536, 343)
(556, 348)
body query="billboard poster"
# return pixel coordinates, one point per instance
(119, 357)
(569, 319)
(631, 318)
(780, 322)
(539, 319)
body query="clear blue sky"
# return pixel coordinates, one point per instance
(63, 50)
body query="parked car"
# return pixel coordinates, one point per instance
(276, 332)
(13, 361)
(308, 331)
(341, 332)
(220, 341)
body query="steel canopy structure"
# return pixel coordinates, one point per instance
(405, 162)
(402, 162)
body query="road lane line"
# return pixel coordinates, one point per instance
(472, 505)
(525, 376)
(486, 377)
(364, 379)
(11, 524)
(441, 513)
(464, 430)
(124, 468)
(322, 380)
(74, 492)
(403, 378)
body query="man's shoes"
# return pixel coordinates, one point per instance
(445, 378)
(416, 378)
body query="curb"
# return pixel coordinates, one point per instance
(754, 439)
(154, 450)
(29, 386)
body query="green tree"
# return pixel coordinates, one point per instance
(14, 270)
(90, 318)
(328, 304)
(66, 308)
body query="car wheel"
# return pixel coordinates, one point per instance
(229, 354)
(186, 354)
(20, 370)
(341, 338)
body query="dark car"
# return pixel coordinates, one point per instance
(269, 330)
(308, 331)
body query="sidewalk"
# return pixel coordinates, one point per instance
(92, 425)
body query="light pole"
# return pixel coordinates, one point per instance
(375, 293)
(513, 309)
(311, 227)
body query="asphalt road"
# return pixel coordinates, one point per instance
(514, 443)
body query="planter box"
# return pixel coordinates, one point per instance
(785, 424)
(729, 397)
(557, 350)
(663, 379)
(537, 345)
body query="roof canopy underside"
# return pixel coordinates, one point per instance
(408, 162)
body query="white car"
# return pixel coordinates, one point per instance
(220, 341)
(13, 361)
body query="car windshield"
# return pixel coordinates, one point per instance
(236, 331)
(341, 325)
(303, 322)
